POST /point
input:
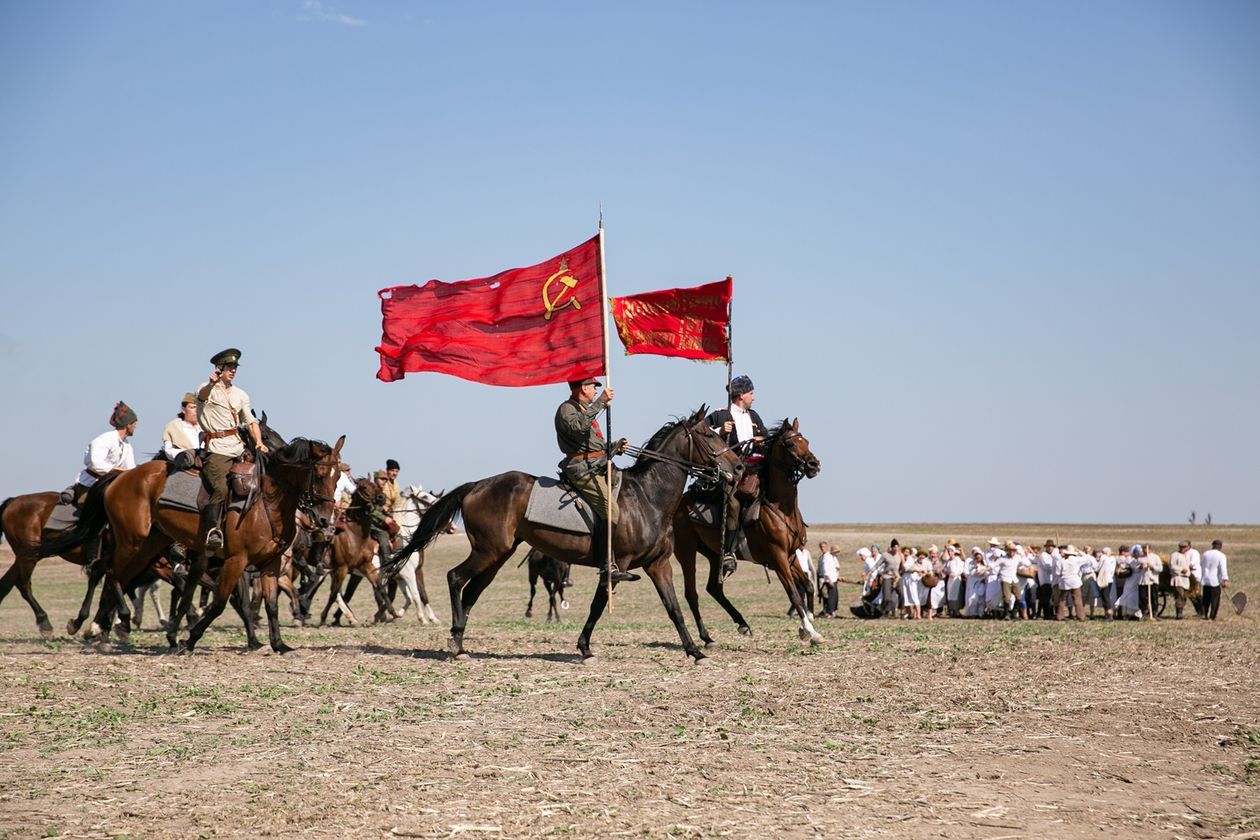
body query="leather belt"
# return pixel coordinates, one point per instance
(223, 434)
(598, 453)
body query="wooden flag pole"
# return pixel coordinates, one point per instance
(603, 328)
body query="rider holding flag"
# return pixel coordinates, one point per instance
(742, 427)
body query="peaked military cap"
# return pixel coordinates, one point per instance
(230, 356)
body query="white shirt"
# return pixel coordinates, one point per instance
(743, 423)
(1214, 567)
(1195, 563)
(1147, 569)
(1105, 569)
(106, 452)
(179, 435)
(1045, 567)
(345, 484)
(828, 567)
(803, 559)
(1006, 568)
(1068, 571)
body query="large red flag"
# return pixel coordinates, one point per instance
(523, 326)
(691, 323)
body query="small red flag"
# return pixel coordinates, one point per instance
(692, 323)
(523, 326)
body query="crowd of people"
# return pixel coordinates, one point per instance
(1009, 581)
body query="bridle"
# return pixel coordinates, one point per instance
(798, 466)
(710, 473)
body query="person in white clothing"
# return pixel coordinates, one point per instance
(1215, 570)
(890, 576)
(1147, 571)
(1179, 566)
(1105, 580)
(1068, 572)
(977, 575)
(108, 452)
(1007, 565)
(828, 580)
(804, 583)
(183, 432)
(1045, 581)
(955, 590)
(345, 486)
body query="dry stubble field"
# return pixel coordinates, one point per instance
(893, 728)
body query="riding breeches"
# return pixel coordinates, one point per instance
(214, 474)
(593, 486)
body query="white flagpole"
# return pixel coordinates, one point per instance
(603, 323)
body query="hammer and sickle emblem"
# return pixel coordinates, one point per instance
(567, 284)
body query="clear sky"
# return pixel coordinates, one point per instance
(1001, 259)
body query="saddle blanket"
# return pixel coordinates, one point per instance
(181, 491)
(63, 516)
(184, 491)
(557, 506)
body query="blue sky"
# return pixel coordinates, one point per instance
(1001, 259)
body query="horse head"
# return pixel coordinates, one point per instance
(707, 448)
(309, 469)
(789, 450)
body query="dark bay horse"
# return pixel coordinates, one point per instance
(22, 521)
(773, 538)
(353, 552)
(494, 519)
(553, 573)
(301, 472)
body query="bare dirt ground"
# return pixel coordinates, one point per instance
(893, 728)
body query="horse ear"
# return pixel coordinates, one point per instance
(796, 424)
(699, 415)
(337, 449)
(263, 419)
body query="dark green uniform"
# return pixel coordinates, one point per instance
(585, 462)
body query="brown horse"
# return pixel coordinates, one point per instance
(301, 472)
(772, 539)
(494, 518)
(22, 521)
(354, 553)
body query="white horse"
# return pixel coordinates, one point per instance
(415, 501)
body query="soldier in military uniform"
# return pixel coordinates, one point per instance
(383, 526)
(221, 409)
(738, 424)
(585, 464)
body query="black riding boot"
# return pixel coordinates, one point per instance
(729, 563)
(599, 550)
(211, 516)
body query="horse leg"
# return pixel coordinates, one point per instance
(598, 603)
(152, 589)
(429, 614)
(407, 580)
(242, 601)
(807, 631)
(335, 579)
(662, 574)
(466, 582)
(182, 596)
(24, 589)
(685, 553)
(271, 594)
(533, 585)
(95, 571)
(343, 600)
(718, 593)
(228, 577)
(137, 604)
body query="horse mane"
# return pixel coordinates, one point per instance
(778, 431)
(300, 452)
(655, 441)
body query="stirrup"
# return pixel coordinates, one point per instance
(729, 564)
(618, 576)
(214, 540)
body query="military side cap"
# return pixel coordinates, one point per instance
(578, 383)
(230, 356)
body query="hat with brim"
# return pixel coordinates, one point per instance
(188, 399)
(578, 383)
(1072, 551)
(993, 541)
(230, 356)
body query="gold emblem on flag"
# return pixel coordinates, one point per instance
(567, 283)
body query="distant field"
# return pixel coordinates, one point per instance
(893, 728)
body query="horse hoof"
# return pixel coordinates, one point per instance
(93, 632)
(745, 630)
(72, 627)
(46, 632)
(460, 657)
(291, 654)
(803, 635)
(704, 660)
(185, 649)
(590, 659)
(250, 650)
(710, 645)
(816, 641)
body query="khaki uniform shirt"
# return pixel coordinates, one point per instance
(393, 498)
(224, 409)
(577, 430)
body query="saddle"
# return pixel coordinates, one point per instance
(555, 503)
(184, 488)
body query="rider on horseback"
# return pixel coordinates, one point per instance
(220, 408)
(742, 427)
(108, 452)
(585, 463)
(383, 526)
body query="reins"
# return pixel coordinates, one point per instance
(710, 474)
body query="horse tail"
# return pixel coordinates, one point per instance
(4, 505)
(92, 520)
(434, 521)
